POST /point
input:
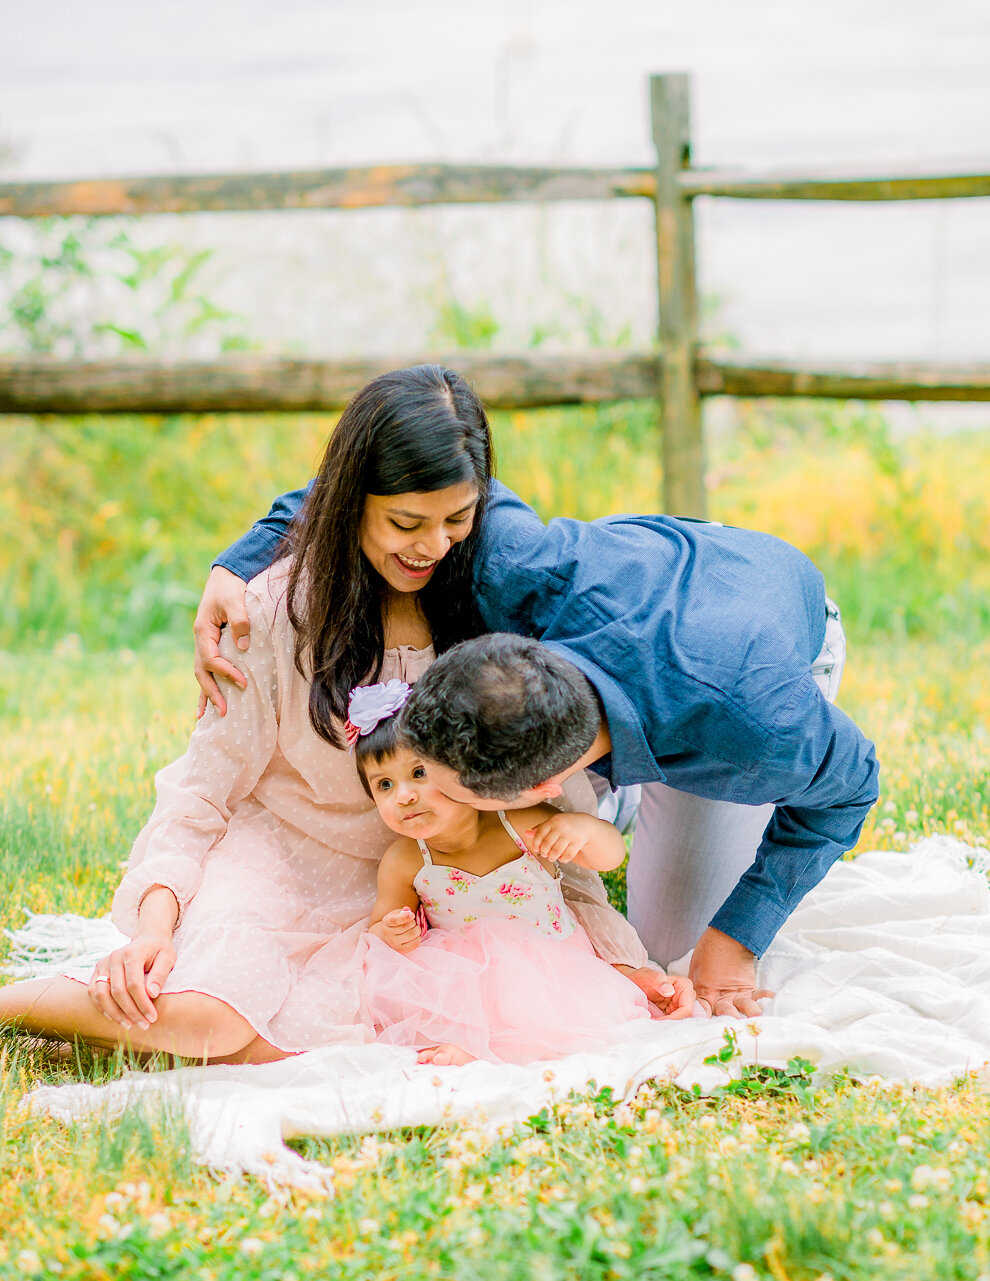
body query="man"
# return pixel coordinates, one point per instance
(694, 659)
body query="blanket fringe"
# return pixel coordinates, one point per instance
(49, 943)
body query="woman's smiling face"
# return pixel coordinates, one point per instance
(405, 536)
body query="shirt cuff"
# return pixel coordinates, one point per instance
(182, 875)
(750, 918)
(252, 554)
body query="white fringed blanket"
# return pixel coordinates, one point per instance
(883, 969)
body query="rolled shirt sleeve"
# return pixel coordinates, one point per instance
(259, 547)
(197, 793)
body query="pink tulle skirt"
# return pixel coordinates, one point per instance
(500, 990)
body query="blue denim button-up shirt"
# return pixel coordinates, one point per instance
(699, 640)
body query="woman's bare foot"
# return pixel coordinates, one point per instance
(445, 1056)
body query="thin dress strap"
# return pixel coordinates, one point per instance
(520, 844)
(424, 849)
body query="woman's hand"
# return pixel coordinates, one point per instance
(400, 929)
(124, 984)
(672, 994)
(222, 604)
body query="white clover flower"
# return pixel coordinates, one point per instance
(251, 1246)
(918, 1201)
(799, 1132)
(744, 1272)
(29, 1261)
(637, 1185)
(905, 1141)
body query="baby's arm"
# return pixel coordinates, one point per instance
(608, 930)
(393, 918)
(571, 838)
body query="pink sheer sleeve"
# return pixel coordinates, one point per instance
(226, 757)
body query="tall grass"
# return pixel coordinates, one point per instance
(108, 525)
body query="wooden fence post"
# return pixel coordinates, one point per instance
(680, 409)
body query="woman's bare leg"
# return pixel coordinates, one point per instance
(190, 1024)
(258, 1051)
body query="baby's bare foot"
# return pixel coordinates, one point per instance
(445, 1056)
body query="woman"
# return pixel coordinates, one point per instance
(251, 884)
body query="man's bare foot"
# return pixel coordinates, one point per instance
(445, 1056)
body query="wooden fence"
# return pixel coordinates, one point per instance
(678, 373)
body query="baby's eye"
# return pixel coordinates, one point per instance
(384, 785)
(419, 772)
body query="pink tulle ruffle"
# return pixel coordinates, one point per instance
(500, 990)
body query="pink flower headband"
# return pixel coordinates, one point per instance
(369, 705)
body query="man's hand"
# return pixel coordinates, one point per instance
(400, 929)
(724, 976)
(672, 994)
(222, 603)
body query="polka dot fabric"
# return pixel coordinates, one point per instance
(265, 835)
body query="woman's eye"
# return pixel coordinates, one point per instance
(406, 529)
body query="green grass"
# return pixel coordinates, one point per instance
(670, 1187)
(114, 523)
(108, 525)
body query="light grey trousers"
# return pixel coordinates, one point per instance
(688, 852)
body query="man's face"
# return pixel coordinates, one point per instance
(447, 782)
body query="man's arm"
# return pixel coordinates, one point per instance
(255, 550)
(811, 828)
(222, 602)
(822, 807)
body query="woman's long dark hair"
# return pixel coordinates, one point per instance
(410, 431)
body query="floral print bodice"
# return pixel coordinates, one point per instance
(518, 891)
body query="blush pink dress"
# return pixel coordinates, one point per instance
(504, 972)
(271, 847)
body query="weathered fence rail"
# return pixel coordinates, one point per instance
(678, 374)
(252, 384)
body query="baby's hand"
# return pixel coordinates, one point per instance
(399, 929)
(563, 837)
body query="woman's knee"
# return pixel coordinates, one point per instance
(197, 1025)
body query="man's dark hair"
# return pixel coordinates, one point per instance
(504, 712)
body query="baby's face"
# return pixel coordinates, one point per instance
(407, 801)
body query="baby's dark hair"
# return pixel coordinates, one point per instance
(383, 741)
